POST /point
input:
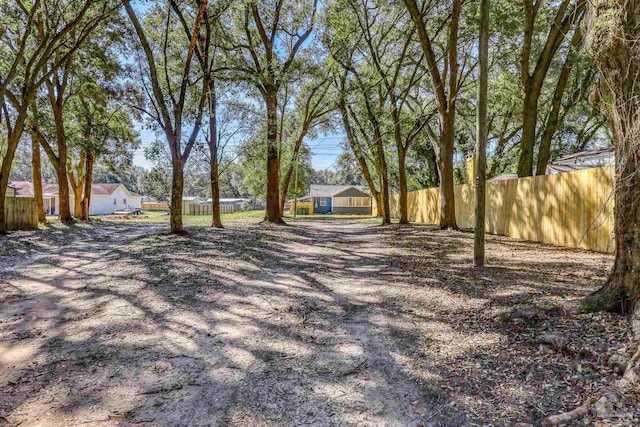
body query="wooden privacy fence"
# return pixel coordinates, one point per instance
(206, 209)
(572, 209)
(164, 206)
(21, 213)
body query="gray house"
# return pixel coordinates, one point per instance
(339, 199)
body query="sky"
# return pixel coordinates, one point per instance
(325, 149)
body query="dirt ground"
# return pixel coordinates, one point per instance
(324, 322)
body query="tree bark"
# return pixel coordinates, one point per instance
(216, 221)
(177, 187)
(88, 182)
(529, 122)
(532, 83)
(56, 91)
(272, 212)
(77, 185)
(481, 137)
(36, 170)
(404, 190)
(612, 40)
(615, 52)
(554, 121)
(384, 175)
(77, 199)
(444, 158)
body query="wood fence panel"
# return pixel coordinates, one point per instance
(21, 213)
(207, 209)
(164, 206)
(573, 209)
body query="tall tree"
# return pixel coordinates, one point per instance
(36, 177)
(481, 136)
(169, 93)
(208, 56)
(444, 70)
(264, 46)
(613, 41)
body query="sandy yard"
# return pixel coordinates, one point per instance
(326, 322)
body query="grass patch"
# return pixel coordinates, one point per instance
(159, 217)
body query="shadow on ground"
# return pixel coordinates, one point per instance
(332, 322)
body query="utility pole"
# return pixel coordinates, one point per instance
(481, 137)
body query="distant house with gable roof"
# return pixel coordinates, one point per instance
(106, 198)
(338, 199)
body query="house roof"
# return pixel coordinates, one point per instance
(190, 198)
(321, 190)
(583, 160)
(588, 154)
(25, 189)
(503, 177)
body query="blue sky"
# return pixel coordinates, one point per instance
(325, 149)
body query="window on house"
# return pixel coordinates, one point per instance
(124, 201)
(323, 202)
(115, 201)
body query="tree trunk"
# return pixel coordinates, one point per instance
(63, 192)
(216, 221)
(613, 42)
(77, 185)
(272, 213)
(36, 170)
(384, 178)
(177, 186)
(527, 142)
(77, 199)
(481, 137)
(444, 157)
(62, 162)
(554, 121)
(404, 191)
(88, 181)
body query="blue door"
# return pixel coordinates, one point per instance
(321, 205)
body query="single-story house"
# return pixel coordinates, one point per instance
(106, 198)
(339, 199)
(583, 160)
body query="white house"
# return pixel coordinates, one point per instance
(105, 198)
